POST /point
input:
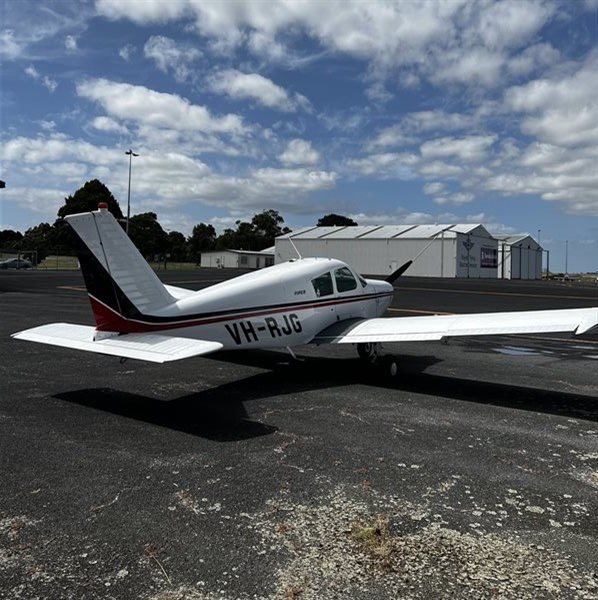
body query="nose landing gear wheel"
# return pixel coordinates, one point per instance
(390, 366)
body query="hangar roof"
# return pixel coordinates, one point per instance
(386, 232)
(512, 240)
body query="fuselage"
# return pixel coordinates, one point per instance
(283, 305)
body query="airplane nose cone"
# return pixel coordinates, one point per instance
(383, 287)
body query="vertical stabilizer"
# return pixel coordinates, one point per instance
(116, 275)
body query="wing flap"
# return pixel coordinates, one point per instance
(141, 346)
(412, 329)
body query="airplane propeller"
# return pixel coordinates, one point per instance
(396, 274)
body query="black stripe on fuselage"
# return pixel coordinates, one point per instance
(250, 311)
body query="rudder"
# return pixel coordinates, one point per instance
(118, 279)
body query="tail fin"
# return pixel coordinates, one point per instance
(119, 281)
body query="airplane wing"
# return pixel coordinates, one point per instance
(142, 346)
(413, 329)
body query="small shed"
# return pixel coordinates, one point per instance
(238, 259)
(520, 257)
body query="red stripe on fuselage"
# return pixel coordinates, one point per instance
(109, 320)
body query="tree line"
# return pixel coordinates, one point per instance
(148, 235)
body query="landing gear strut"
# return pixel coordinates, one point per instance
(369, 351)
(372, 354)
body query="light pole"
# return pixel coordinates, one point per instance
(566, 257)
(131, 154)
(540, 251)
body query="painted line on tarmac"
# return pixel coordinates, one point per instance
(519, 294)
(574, 340)
(73, 288)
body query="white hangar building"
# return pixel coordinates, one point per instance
(519, 257)
(437, 250)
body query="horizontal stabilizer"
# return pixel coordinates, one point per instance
(141, 346)
(413, 329)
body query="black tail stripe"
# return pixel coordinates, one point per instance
(100, 284)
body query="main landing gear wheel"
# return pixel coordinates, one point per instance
(372, 354)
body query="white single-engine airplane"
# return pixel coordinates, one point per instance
(310, 300)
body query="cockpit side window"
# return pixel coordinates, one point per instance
(323, 285)
(345, 282)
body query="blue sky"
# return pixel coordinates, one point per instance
(391, 112)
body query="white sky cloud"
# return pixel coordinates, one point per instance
(469, 148)
(162, 180)
(170, 56)
(454, 40)
(433, 188)
(252, 86)
(70, 43)
(108, 124)
(10, 48)
(562, 110)
(143, 11)
(457, 198)
(299, 152)
(46, 81)
(43, 201)
(387, 165)
(127, 51)
(140, 104)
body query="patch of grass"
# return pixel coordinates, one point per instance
(174, 266)
(375, 538)
(58, 262)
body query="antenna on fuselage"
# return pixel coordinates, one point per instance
(294, 247)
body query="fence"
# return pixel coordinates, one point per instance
(56, 261)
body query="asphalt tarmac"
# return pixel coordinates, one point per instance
(473, 474)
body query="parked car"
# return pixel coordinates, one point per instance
(16, 263)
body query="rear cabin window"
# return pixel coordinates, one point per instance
(323, 285)
(345, 282)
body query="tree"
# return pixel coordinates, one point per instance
(203, 239)
(62, 238)
(256, 235)
(38, 238)
(333, 220)
(88, 197)
(268, 225)
(176, 246)
(147, 234)
(8, 238)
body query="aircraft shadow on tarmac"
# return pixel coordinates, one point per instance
(212, 414)
(220, 414)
